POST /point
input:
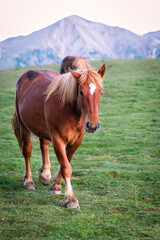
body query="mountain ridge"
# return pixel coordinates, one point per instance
(77, 36)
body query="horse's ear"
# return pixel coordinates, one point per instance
(75, 74)
(102, 70)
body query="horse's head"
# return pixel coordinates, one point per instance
(89, 93)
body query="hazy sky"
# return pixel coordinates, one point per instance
(21, 17)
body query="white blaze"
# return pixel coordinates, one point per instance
(92, 88)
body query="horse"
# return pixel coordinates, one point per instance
(58, 109)
(74, 63)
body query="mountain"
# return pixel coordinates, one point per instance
(152, 42)
(79, 37)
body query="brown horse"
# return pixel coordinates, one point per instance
(74, 63)
(56, 108)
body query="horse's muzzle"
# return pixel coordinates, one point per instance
(91, 128)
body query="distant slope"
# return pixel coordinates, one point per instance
(152, 44)
(77, 36)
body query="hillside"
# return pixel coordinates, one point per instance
(77, 36)
(115, 172)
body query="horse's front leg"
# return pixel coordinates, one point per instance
(66, 171)
(44, 172)
(57, 179)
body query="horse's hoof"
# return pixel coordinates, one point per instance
(29, 185)
(44, 176)
(44, 181)
(54, 192)
(72, 205)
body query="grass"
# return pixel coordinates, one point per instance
(115, 171)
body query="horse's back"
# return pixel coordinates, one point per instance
(35, 78)
(74, 63)
(50, 73)
(67, 62)
(30, 98)
(81, 63)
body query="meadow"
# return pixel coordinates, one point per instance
(116, 175)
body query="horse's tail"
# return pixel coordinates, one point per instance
(16, 126)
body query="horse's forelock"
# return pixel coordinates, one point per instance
(90, 76)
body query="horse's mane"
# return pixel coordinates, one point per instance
(65, 86)
(81, 63)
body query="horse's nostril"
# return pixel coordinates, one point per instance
(90, 126)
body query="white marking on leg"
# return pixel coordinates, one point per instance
(68, 187)
(92, 88)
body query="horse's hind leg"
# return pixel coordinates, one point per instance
(26, 151)
(56, 185)
(44, 172)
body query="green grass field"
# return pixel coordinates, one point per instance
(116, 174)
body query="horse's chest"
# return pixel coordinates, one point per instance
(74, 134)
(72, 140)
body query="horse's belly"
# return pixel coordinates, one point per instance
(36, 127)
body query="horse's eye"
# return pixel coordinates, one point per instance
(81, 93)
